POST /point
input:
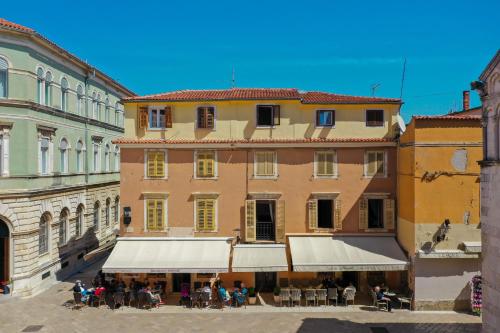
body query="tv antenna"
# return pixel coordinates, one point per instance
(233, 80)
(374, 87)
(402, 79)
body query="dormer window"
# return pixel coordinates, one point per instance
(155, 118)
(206, 117)
(268, 115)
(374, 118)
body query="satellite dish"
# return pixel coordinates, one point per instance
(401, 124)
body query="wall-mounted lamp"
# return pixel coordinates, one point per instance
(127, 215)
(443, 230)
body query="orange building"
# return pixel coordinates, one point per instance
(266, 186)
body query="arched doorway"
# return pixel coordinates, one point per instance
(4, 251)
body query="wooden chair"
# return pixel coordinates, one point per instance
(310, 296)
(78, 301)
(285, 296)
(333, 295)
(195, 299)
(405, 300)
(118, 298)
(101, 299)
(349, 296)
(380, 304)
(321, 295)
(204, 299)
(295, 296)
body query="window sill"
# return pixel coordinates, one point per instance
(157, 129)
(265, 126)
(325, 126)
(206, 178)
(266, 177)
(376, 230)
(155, 178)
(206, 231)
(326, 177)
(375, 176)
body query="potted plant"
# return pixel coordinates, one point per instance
(276, 293)
(252, 297)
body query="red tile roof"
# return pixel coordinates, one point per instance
(12, 25)
(313, 97)
(252, 141)
(448, 117)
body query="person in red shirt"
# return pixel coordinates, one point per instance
(99, 290)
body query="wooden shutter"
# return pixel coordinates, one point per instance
(269, 166)
(337, 217)
(363, 214)
(276, 115)
(260, 164)
(312, 206)
(210, 114)
(210, 214)
(159, 215)
(201, 117)
(280, 221)
(200, 214)
(151, 164)
(371, 160)
(160, 164)
(329, 164)
(150, 204)
(143, 117)
(250, 221)
(168, 117)
(320, 164)
(388, 213)
(200, 164)
(380, 163)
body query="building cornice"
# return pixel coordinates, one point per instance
(59, 189)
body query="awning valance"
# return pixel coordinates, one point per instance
(363, 253)
(259, 258)
(169, 255)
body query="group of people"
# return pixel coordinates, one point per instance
(237, 297)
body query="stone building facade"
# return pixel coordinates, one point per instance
(59, 171)
(489, 90)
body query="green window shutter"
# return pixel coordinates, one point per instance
(337, 217)
(250, 221)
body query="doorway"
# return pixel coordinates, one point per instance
(265, 281)
(265, 219)
(178, 279)
(4, 251)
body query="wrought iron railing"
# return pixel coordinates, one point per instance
(265, 231)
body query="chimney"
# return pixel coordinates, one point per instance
(466, 100)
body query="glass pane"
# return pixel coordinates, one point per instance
(3, 83)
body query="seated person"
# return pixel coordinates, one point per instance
(382, 297)
(185, 293)
(155, 298)
(239, 295)
(348, 289)
(223, 294)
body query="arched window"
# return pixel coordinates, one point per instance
(48, 88)
(43, 234)
(64, 94)
(108, 211)
(117, 158)
(63, 226)
(97, 215)
(4, 67)
(79, 156)
(40, 81)
(94, 105)
(79, 221)
(63, 147)
(117, 114)
(107, 110)
(79, 100)
(107, 157)
(117, 210)
(98, 107)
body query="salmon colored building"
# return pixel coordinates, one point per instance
(265, 186)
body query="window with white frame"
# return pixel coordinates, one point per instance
(44, 155)
(4, 150)
(79, 221)
(108, 212)
(79, 100)
(107, 110)
(40, 85)
(43, 234)
(117, 114)
(117, 158)
(157, 118)
(325, 164)
(94, 105)
(107, 157)
(63, 226)
(375, 163)
(325, 118)
(63, 148)
(79, 156)
(265, 164)
(206, 163)
(96, 215)
(98, 116)
(64, 94)
(48, 88)
(4, 67)
(96, 157)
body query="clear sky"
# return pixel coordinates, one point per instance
(336, 46)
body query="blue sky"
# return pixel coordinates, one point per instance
(336, 46)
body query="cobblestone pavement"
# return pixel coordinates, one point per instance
(48, 310)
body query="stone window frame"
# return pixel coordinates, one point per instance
(5, 148)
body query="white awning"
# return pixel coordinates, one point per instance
(330, 254)
(169, 255)
(259, 258)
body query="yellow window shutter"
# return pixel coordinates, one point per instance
(200, 161)
(250, 224)
(312, 206)
(260, 164)
(200, 214)
(150, 204)
(329, 164)
(151, 164)
(160, 164)
(159, 215)
(371, 167)
(142, 120)
(210, 164)
(210, 215)
(363, 214)
(389, 214)
(269, 166)
(320, 164)
(280, 221)
(337, 217)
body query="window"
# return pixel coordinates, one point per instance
(155, 214)
(265, 164)
(117, 114)
(97, 157)
(107, 156)
(40, 80)
(205, 164)
(107, 110)
(155, 164)
(64, 94)
(324, 212)
(4, 150)
(63, 226)
(96, 215)
(117, 158)
(108, 212)
(325, 164)
(265, 219)
(79, 221)
(375, 164)
(117, 210)
(43, 234)
(79, 100)
(325, 118)
(48, 88)
(79, 156)
(374, 118)
(63, 147)
(205, 214)
(44, 155)
(155, 118)
(268, 115)
(4, 67)
(98, 102)
(206, 117)
(94, 105)
(375, 213)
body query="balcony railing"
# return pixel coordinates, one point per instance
(265, 231)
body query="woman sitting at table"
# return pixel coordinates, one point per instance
(185, 291)
(239, 295)
(223, 294)
(382, 297)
